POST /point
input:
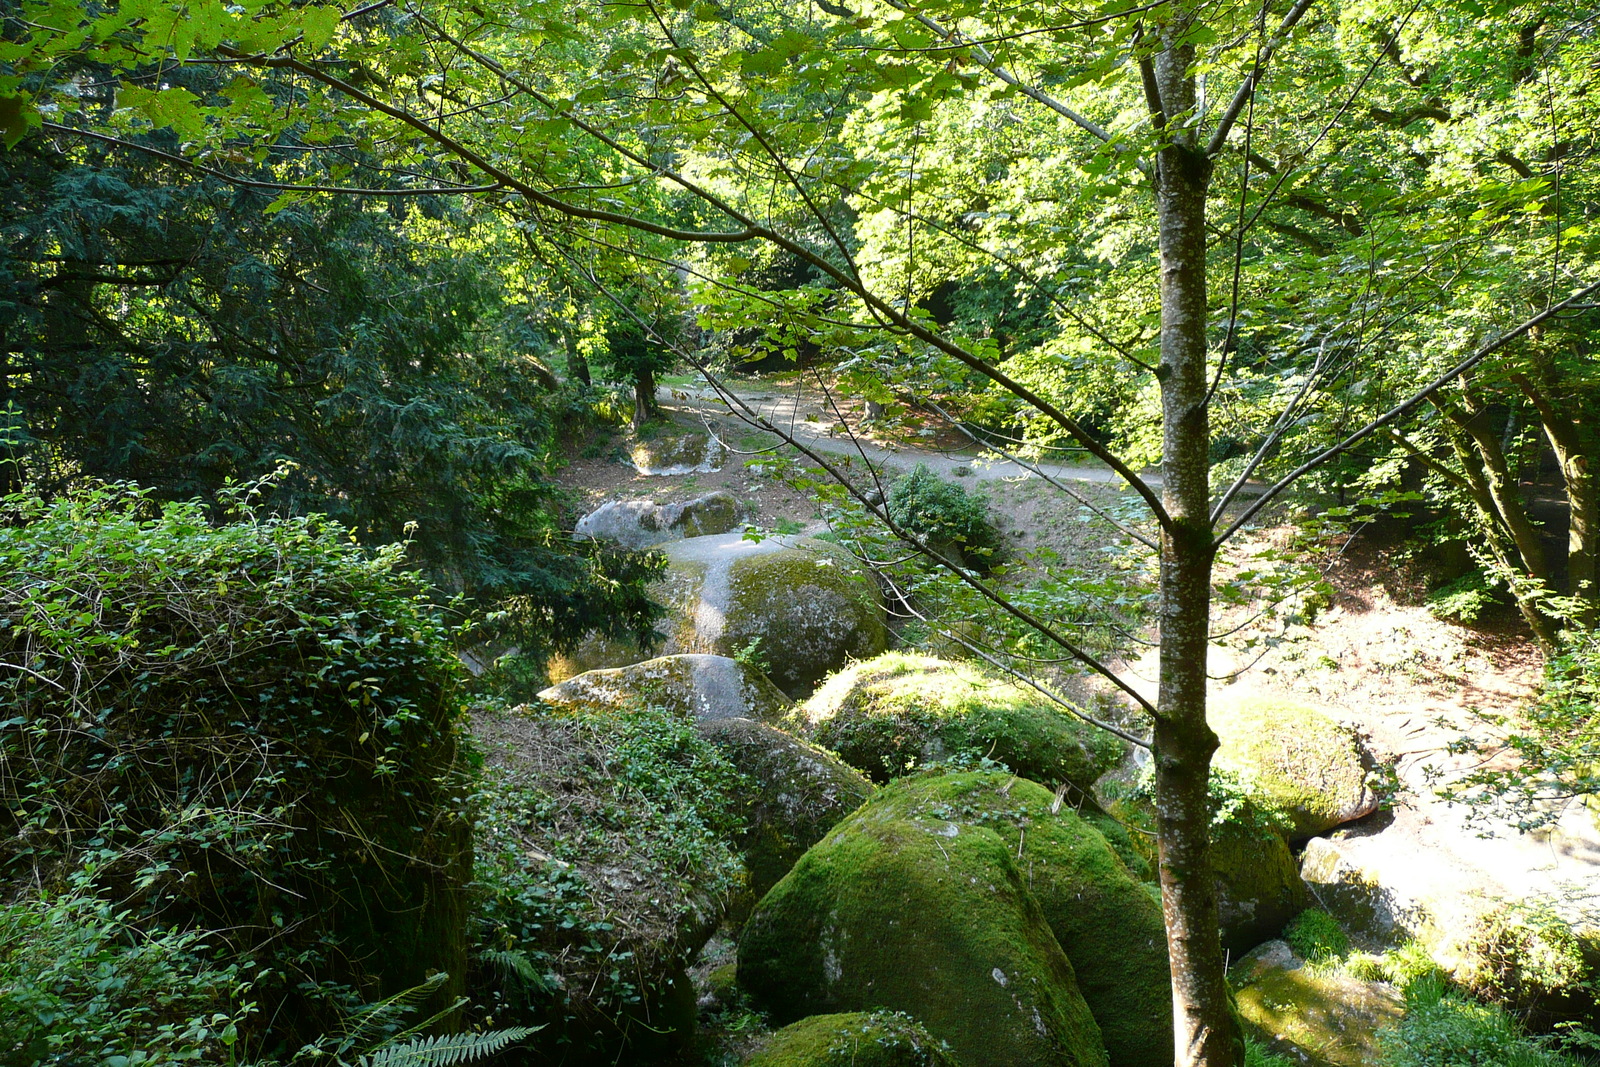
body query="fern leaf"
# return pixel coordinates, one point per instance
(446, 1050)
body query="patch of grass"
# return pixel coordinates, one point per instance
(1442, 1028)
(1316, 937)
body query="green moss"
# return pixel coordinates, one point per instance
(898, 712)
(928, 916)
(812, 608)
(1317, 1016)
(1297, 759)
(1101, 915)
(855, 1039)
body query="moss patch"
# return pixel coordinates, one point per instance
(898, 712)
(1298, 759)
(812, 608)
(854, 1039)
(925, 915)
(1110, 928)
(1319, 1017)
(698, 686)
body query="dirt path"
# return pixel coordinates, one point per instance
(809, 419)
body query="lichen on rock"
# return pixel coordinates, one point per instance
(899, 712)
(907, 907)
(854, 1039)
(641, 524)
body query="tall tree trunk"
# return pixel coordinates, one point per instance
(1583, 502)
(10, 430)
(1494, 493)
(1203, 1023)
(644, 397)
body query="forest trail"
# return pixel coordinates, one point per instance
(809, 417)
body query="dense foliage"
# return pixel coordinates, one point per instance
(230, 743)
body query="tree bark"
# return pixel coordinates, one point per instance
(1183, 743)
(1487, 480)
(1583, 502)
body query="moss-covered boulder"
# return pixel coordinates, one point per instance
(802, 607)
(688, 453)
(1258, 883)
(1108, 924)
(898, 712)
(910, 909)
(801, 792)
(602, 836)
(1316, 1016)
(703, 687)
(1297, 759)
(854, 1039)
(640, 524)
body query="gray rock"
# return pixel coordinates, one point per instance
(1375, 916)
(707, 687)
(690, 453)
(1317, 1017)
(641, 524)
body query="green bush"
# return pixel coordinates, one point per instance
(943, 516)
(1443, 1029)
(1316, 936)
(245, 733)
(83, 983)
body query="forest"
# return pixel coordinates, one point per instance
(799, 534)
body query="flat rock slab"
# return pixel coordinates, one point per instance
(690, 453)
(641, 524)
(1320, 1019)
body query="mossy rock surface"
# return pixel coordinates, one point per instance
(701, 686)
(689, 453)
(801, 607)
(1298, 759)
(805, 607)
(801, 793)
(905, 909)
(1318, 1017)
(1108, 924)
(854, 1039)
(899, 712)
(1258, 880)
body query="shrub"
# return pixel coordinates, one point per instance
(247, 729)
(83, 983)
(942, 516)
(1442, 1029)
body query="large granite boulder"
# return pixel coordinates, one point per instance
(703, 687)
(801, 792)
(854, 1039)
(1297, 759)
(602, 836)
(689, 453)
(641, 524)
(801, 606)
(912, 905)
(896, 713)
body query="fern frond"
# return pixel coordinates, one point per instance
(369, 1023)
(516, 965)
(446, 1050)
